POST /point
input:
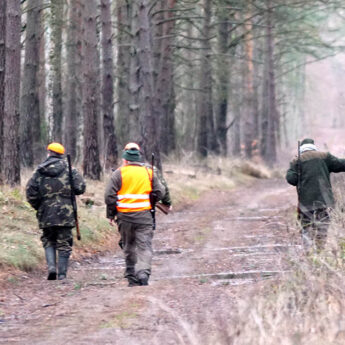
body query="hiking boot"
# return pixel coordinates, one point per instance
(62, 267)
(132, 281)
(51, 262)
(143, 278)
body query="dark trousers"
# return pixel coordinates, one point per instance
(60, 238)
(137, 246)
(315, 225)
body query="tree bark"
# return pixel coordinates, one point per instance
(125, 83)
(2, 77)
(110, 149)
(92, 167)
(30, 122)
(206, 137)
(249, 130)
(271, 149)
(74, 79)
(165, 81)
(147, 102)
(42, 87)
(223, 82)
(11, 160)
(57, 10)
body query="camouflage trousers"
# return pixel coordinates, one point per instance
(315, 225)
(58, 237)
(137, 246)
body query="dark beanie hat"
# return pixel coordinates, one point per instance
(131, 155)
(307, 141)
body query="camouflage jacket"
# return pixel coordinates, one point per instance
(49, 193)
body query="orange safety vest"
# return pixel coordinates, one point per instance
(134, 195)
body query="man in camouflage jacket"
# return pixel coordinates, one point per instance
(315, 191)
(127, 200)
(49, 193)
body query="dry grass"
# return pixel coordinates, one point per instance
(188, 178)
(20, 245)
(307, 307)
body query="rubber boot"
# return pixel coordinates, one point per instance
(62, 267)
(51, 262)
(130, 275)
(143, 278)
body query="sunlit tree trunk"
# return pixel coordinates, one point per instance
(92, 167)
(11, 160)
(110, 149)
(30, 120)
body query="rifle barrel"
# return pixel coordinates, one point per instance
(153, 209)
(73, 200)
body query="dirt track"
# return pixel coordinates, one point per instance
(208, 260)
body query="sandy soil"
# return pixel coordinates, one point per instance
(208, 260)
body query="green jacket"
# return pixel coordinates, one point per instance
(49, 193)
(315, 186)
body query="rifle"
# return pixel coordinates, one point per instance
(163, 208)
(298, 179)
(152, 197)
(74, 203)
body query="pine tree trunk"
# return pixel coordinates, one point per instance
(249, 130)
(271, 152)
(74, 80)
(133, 119)
(206, 137)
(124, 58)
(55, 57)
(30, 120)
(92, 167)
(2, 77)
(223, 83)
(11, 160)
(42, 89)
(165, 80)
(189, 100)
(110, 149)
(148, 105)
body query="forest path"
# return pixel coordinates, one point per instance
(208, 259)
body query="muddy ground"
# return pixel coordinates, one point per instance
(208, 260)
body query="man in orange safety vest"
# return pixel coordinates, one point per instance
(127, 197)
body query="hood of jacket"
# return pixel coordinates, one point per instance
(52, 166)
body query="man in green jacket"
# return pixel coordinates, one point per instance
(49, 193)
(312, 173)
